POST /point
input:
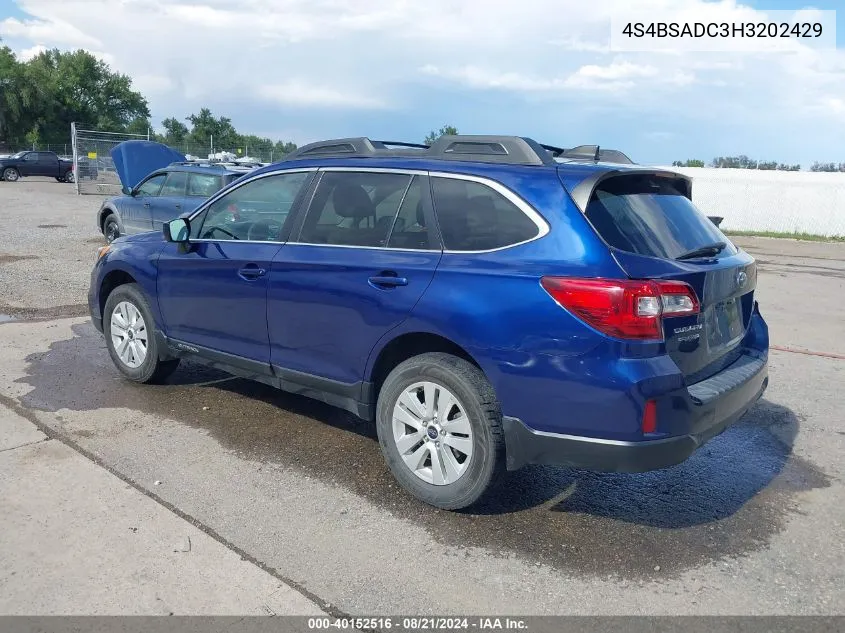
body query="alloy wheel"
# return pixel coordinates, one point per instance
(432, 433)
(129, 334)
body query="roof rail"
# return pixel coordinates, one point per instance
(592, 153)
(508, 150)
(197, 163)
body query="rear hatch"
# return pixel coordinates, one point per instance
(655, 232)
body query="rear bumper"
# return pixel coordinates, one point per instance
(713, 405)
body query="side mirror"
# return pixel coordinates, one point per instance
(178, 230)
(127, 191)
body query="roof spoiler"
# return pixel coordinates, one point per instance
(582, 193)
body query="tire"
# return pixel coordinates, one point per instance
(68, 177)
(476, 410)
(111, 229)
(151, 369)
(11, 174)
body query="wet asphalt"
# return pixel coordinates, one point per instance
(746, 525)
(726, 501)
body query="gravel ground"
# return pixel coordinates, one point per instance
(49, 244)
(748, 525)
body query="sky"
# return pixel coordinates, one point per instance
(305, 70)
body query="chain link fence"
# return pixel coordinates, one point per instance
(268, 153)
(93, 166)
(63, 150)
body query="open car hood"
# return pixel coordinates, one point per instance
(133, 160)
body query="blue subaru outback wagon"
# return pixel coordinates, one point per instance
(487, 301)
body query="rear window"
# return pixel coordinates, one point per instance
(649, 215)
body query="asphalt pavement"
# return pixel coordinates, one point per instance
(748, 525)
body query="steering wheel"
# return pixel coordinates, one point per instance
(211, 231)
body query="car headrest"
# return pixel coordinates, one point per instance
(351, 201)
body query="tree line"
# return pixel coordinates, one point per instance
(40, 98)
(743, 162)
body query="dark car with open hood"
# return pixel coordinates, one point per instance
(158, 185)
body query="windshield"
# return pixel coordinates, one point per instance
(648, 215)
(19, 154)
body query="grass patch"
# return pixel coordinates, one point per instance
(808, 237)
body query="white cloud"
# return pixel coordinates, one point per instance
(56, 32)
(33, 51)
(300, 93)
(614, 77)
(361, 55)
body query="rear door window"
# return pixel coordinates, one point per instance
(175, 184)
(649, 215)
(202, 185)
(354, 208)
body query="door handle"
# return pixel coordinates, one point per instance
(387, 280)
(251, 272)
(178, 206)
(147, 205)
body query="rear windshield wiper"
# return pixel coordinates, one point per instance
(704, 251)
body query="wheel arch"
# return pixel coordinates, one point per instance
(104, 213)
(113, 279)
(405, 346)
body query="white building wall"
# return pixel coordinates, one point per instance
(760, 200)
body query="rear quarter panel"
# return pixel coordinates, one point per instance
(547, 367)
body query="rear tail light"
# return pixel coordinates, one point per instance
(623, 308)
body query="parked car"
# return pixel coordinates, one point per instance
(35, 164)
(159, 195)
(488, 302)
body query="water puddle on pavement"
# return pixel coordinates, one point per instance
(726, 501)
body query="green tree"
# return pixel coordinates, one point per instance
(206, 129)
(76, 86)
(18, 111)
(827, 167)
(692, 162)
(735, 162)
(141, 126)
(175, 132)
(446, 130)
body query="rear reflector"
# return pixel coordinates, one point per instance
(623, 308)
(650, 417)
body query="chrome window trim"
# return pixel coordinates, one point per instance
(379, 170)
(539, 221)
(369, 248)
(238, 241)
